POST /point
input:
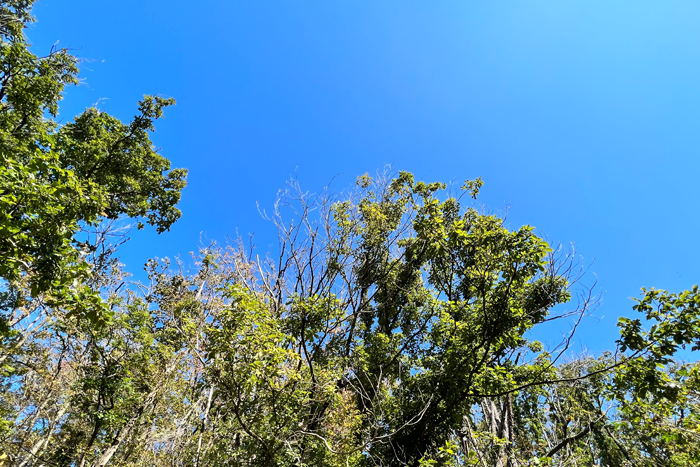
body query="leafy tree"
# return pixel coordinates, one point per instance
(55, 179)
(314, 358)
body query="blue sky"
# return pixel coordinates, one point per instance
(582, 118)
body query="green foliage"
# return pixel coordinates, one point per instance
(453, 293)
(55, 179)
(676, 325)
(390, 330)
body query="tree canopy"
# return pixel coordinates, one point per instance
(392, 326)
(57, 179)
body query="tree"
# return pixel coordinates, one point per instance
(353, 346)
(58, 186)
(56, 179)
(434, 298)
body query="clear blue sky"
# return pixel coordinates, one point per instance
(581, 116)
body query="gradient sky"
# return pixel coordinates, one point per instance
(581, 117)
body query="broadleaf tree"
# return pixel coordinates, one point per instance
(57, 179)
